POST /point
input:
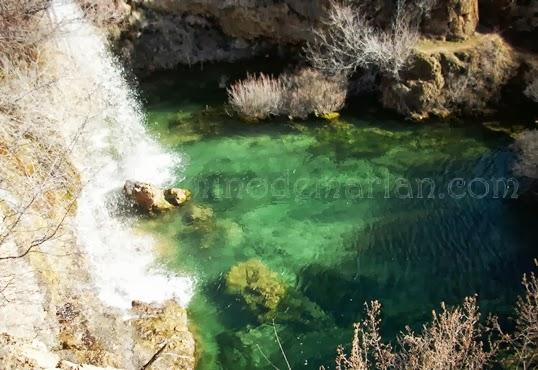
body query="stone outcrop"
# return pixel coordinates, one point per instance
(160, 34)
(152, 199)
(163, 338)
(452, 20)
(445, 78)
(18, 354)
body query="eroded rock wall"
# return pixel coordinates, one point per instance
(446, 78)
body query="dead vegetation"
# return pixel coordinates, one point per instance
(456, 338)
(38, 184)
(296, 95)
(347, 40)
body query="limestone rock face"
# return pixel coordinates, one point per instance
(163, 332)
(286, 21)
(452, 19)
(448, 78)
(152, 199)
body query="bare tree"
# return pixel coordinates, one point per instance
(347, 40)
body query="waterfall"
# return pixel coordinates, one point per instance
(100, 109)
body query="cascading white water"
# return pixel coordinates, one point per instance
(112, 147)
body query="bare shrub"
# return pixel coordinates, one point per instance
(104, 13)
(453, 340)
(367, 349)
(347, 40)
(256, 97)
(38, 184)
(525, 338)
(309, 91)
(20, 28)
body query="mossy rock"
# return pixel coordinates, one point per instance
(261, 288)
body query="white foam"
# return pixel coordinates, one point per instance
(114, 146)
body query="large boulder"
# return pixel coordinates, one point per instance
(452, 78)
(152, 199)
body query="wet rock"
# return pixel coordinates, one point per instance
(163, 327)
(176, 196)
(260, 288)
(152, 199)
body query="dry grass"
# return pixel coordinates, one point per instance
(311, 92)
(296, 95)
(257, 97)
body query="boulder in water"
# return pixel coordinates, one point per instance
(150, 198)
(176, 196)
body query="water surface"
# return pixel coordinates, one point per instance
(325, 206)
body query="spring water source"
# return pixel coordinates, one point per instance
(288, 194)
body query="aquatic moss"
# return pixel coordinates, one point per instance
(261, 288)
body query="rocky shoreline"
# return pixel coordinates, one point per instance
(464, 43)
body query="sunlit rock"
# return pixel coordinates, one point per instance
(176, 196)
(163, 327)
(150, 198)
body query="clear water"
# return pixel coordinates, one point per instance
(333, 248)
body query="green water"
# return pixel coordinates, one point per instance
(321, 205)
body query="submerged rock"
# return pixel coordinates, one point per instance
(150, 198)
(261, 288)
(198, 216)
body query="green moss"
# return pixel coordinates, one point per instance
(261, 288)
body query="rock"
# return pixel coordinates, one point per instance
(452, 78)
(152, 199)
(167, 326)
(198, 215)
(176, 196)
(260, 288)
(452, 19)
